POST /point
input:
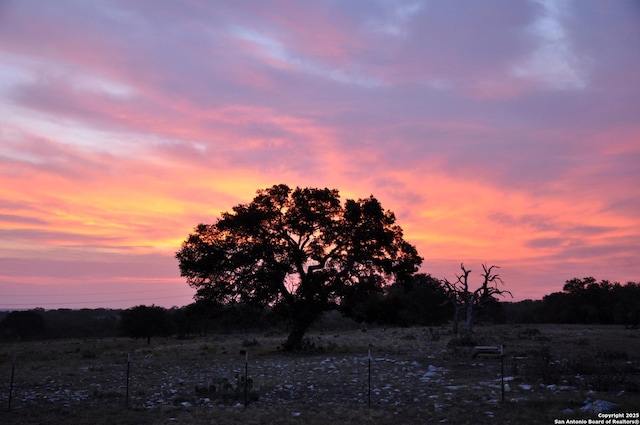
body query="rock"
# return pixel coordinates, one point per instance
(427, 376)
(597, 406)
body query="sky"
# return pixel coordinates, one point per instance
(498, 132)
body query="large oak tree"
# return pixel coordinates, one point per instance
(301, 249)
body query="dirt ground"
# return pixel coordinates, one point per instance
(353, 376)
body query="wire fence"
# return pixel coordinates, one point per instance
(145, 380)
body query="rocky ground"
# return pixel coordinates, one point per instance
(403, 371)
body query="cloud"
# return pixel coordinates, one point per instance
(19, 219)
(395, 17)
(553, 62)
(503, 132)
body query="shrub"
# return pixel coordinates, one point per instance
(225, 390)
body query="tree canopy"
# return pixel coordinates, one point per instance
(301, 249)
(25, 325)
(145, 322)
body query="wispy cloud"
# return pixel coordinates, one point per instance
(502, 132)
(553, 61)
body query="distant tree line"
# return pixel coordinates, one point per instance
(582, 301)
(419, 300)
(39, 323)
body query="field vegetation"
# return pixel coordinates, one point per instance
(418, 374)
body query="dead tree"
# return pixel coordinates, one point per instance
(458, 295)
(463, 299)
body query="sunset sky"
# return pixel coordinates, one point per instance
(505, 132)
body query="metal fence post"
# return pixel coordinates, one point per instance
(502, 370)
(126, 398)
(246, 378)
(369, 390)
(13, 369)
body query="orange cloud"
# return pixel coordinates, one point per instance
(119, 136)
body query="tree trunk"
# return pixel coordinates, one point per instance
(294, 340)
(469, 322)
(304, 317)
(456, 319)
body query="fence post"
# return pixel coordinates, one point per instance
(13, 369)
(126, 398)
(369, 389)
(502, 370)
(246, 378)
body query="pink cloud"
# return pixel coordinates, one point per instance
(125, 125)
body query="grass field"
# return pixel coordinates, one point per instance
(417, 376)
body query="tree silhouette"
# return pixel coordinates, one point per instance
(300, 250)
(145, 322)
(464, 299)
(23, 325)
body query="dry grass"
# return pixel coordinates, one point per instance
(416, 377)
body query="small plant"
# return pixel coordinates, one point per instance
(89, 354)
(250, 343)
(529, 333)
(227, 391)
(461, 341)
(611, 355)
(433, 335)
(607, 381)
(542, 366)
(309, 346)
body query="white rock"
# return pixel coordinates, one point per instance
(597, 406)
